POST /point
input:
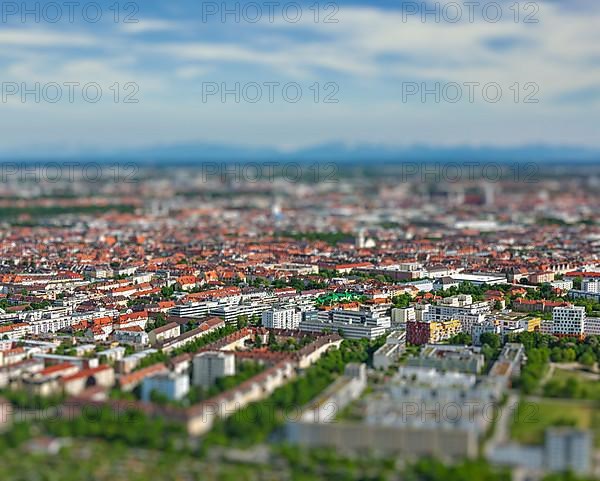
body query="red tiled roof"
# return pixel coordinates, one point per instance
(86, 373)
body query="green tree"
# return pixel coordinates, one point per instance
(491, 339)
(587, 359)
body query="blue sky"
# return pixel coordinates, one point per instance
(365, 61)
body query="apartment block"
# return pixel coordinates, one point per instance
(431, 332)
(281, 318)
(351, 324)
(568, 321)
(210, 366)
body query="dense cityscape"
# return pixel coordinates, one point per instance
(376, 322)
(348, 240)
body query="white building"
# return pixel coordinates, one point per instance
(568, 321)
(351, 324)
(567, 449)
(591, 326)
(196, 310)
(281, 318)
(459, 307)
(131, 336)
(173, 386)
(590, 285)
(390, 352)
(479, 278)
(564, 285)
(425, 285)
(402, 315)
(485, 327)
(112, 355)
(50, 324)
(163, 333)
(209, 366)
(420, 311)
(230, 313)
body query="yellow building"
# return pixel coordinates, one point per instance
(534, 324)
(442, 330)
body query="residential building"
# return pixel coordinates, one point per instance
(459, 307)
(594, 296)
(208, 326)
(432, 332)
(112, 355)
(402, 315)
(281, 318)
(102, 376)
(390, 352)
(568, 321)
(163, 333)
(568, 449)
(230, 313)
(196, 310)
(6, 414)
(210, 366)
(509, 362)
(591, 326)
(590, 285)
(563, 285)
(541, 277)
(170, 385)
(351, 324)
(135, 336)
(419, 398)
(449, 358)
(484, 327)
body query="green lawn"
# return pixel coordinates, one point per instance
(572, 384)
(531, 418)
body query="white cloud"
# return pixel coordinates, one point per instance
(371, 50)
(44, 38)
(192, 72)
(149, 25)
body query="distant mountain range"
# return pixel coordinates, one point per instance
(197, 153)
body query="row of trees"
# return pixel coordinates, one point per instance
(328, 464)
(571, 388)
(541, 349)
(191, 347)
(255, 422)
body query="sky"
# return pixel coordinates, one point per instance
(291, 75)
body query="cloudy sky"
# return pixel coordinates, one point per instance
(361, 73)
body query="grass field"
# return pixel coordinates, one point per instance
(572, 384)
(531, 418)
